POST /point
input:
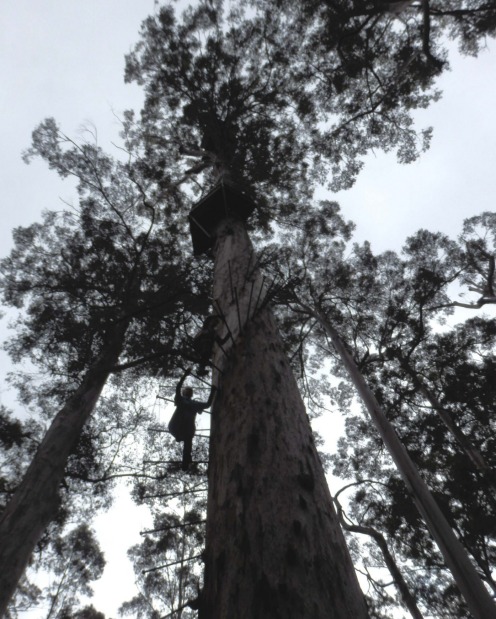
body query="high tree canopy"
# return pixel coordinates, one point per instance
(272, 107)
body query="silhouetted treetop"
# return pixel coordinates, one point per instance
(283, 100)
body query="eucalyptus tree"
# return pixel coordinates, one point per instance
(88, 282)
(214, 89)
(403, 336)
(18, 441)
(475, 257)
(419, 376)
(362, 68)
(413, 356)
(235, 95)
(168, 560)
(240, 96)
(371, 308)
(76, 560)
(440, 394)
(388, 558)
(371, 63)
(69, 564)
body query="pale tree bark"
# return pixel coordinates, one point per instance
(472, 588)
(36, 500)
(274, 545)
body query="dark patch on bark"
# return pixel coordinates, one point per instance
(306, 481)
(245, 545)
(265, 599)
(292, 557)
(220, 565)
(250, 389)
(204, 611)
(283, 589)
(253, 447)
(302, 502)
(297, 527)
(236, 477)
(320, 564)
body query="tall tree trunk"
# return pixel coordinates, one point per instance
(36, 500)
(471, 586)
(274, 546)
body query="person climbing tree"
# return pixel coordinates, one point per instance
(182, 423)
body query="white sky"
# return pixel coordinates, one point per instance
(65, 58)
(455, 179)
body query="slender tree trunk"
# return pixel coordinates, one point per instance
(474, 455)
(180, 602)
(274, 546)
(35, 502)
(397, 576)
(471, 586)
(55, 598)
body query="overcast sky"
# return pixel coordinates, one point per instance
(65, 58)
(455, 179)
